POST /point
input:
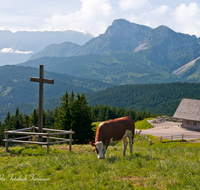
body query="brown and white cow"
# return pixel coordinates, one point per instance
(113, 131)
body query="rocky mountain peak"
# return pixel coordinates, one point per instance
(123, 35)
(123, 28)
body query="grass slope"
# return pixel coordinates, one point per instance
(149, 167)
(144, 124)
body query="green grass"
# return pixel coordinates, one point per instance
(144, 124)
(160, 166)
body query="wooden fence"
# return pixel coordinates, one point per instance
(144, 136)
(30, 135)
(169, 137)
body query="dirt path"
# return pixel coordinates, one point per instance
(171, 128)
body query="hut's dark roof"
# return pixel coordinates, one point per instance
(188, 109)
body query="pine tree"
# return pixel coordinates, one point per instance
(49, 117)
(81, 116)
(102, 113)
(6, 122)
(34, 118)
(63, 120)
(76, 115)
(17, 119)
(108, 113)
(25, 120)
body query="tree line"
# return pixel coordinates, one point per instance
(157, 98)
(74, 113)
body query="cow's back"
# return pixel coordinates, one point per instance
(114, 129)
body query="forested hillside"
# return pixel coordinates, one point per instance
(16, 88)
(15, 85)
(155, 98)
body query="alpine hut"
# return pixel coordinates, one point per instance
(189, 111)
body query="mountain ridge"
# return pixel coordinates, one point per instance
(123, 35)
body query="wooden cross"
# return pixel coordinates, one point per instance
(41, 80)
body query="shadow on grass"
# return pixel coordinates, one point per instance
(30, 150)
(133, 156)
(145, 157)
(24, 151)
(174, 141)
(113, 159)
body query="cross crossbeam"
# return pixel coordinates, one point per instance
(41, 81)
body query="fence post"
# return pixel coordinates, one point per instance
(172, 138)
(33, 129)
(47, 142)
(182, 137)
(70, 143)
(6, 143)
(161, 139)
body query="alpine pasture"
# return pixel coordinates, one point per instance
(163, 165)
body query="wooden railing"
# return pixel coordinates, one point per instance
(169, 137)
(30, 135)
(144, 136)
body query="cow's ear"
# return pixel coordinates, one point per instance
(92, 144)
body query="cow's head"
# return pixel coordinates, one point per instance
(100, 149)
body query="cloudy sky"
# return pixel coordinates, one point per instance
(94, 16)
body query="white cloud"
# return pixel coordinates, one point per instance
(162, 10)
(7, 50)
(132, 4)
(23, 52)
(106, 9)
(11, 50)
(94, 16)
(90, 16)
(183, 12)
(186, 18)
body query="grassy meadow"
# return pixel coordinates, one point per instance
(167, 165)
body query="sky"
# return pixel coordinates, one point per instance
(94, 16)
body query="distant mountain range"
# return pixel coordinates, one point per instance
(125, 36)
(127, 53)
(19, 46)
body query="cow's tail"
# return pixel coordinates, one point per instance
(133, 129)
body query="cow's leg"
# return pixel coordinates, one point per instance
(105, 147)
(131, 144)
(104, 150)
(124, 140)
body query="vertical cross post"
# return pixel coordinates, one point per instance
(41, 80)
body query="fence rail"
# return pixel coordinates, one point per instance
(169, 137)
(144, 136)
(29, 135)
